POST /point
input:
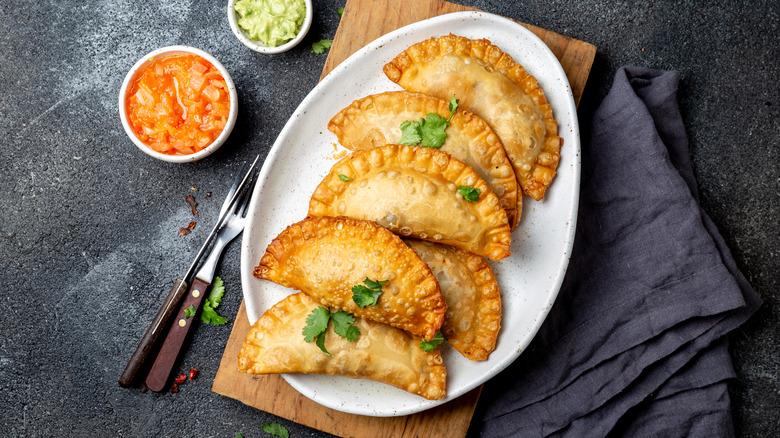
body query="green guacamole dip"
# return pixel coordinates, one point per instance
(272, 22)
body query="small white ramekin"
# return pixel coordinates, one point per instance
(258, 46)
(208, 150)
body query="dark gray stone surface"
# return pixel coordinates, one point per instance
(88, 224)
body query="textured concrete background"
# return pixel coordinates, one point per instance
(88, 224)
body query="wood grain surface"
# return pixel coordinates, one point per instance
(362, 22)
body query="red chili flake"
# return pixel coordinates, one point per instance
(191, 200)
(193, 373)
(180, 379)
(208, 196)
(184, 231)
(174, 388)
(191, 225)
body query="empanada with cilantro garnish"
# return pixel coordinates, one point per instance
(275, 344)
(493, 86)
(416, 192)
(331, 258)
(473, 297)
(375, 121)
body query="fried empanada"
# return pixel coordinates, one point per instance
(414, 191)
(326, 257)
(375, 121)
(275, 344)
(472, 294)
(493, 86)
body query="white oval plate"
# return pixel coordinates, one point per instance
(305, 151)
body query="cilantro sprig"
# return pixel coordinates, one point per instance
(317, 324)
(469, 193)
(367, 295)
(428, 132)
(209, 314)
(429, 346)
(319, 47)
(276, 429)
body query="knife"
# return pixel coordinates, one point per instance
(167, 311)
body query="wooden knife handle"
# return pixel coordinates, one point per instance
(172, 346)
(146, 347)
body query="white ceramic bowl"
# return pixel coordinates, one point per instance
(208, 150)
(258, 46)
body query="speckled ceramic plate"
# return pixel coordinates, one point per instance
(305, 151)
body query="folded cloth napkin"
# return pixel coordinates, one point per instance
(634, 345)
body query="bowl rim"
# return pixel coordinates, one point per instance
(259, 47)
(232, 114)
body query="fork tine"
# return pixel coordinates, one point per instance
(247, 197)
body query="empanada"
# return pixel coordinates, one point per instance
(414, 191)
(492, 85)
(275, 344)
(375, 121)
(326, 257)
(472, 294)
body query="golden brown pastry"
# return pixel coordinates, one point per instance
(473, 297)
(275, 344)
(326, 257)
(493, 86)
(414, 191)
(375, 121)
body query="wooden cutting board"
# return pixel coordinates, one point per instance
(362, 22)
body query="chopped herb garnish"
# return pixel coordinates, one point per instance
(209, 314)
(344, 178)
(319, 47)
(469, 193)
(317, 325)
(433, 343)
(276, 429)
(428, 132)
(367, 295)
(190, 311)
(340, 11)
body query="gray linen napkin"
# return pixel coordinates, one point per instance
(634, 345)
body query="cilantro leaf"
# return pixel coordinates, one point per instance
(319, 47)
(340, 11)
(216, 292)
(453, 106)
(433, 343)
(469, 193)
(410, 133)
(320, 342)
(344, 178)
(363, 296)
(432, 130)
(375, 284)
(210, 316)
(190, 311)
(276, 429)
(316, 323)
(342, 325)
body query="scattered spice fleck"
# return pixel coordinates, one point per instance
(208, 196)
(193, 204)
(193, 373)
(184, 231)
(180, 379)
(193, 188)
(174, 388)
(191, 225)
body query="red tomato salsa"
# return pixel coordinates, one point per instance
(178, 104)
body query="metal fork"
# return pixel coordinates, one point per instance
(233, 225)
